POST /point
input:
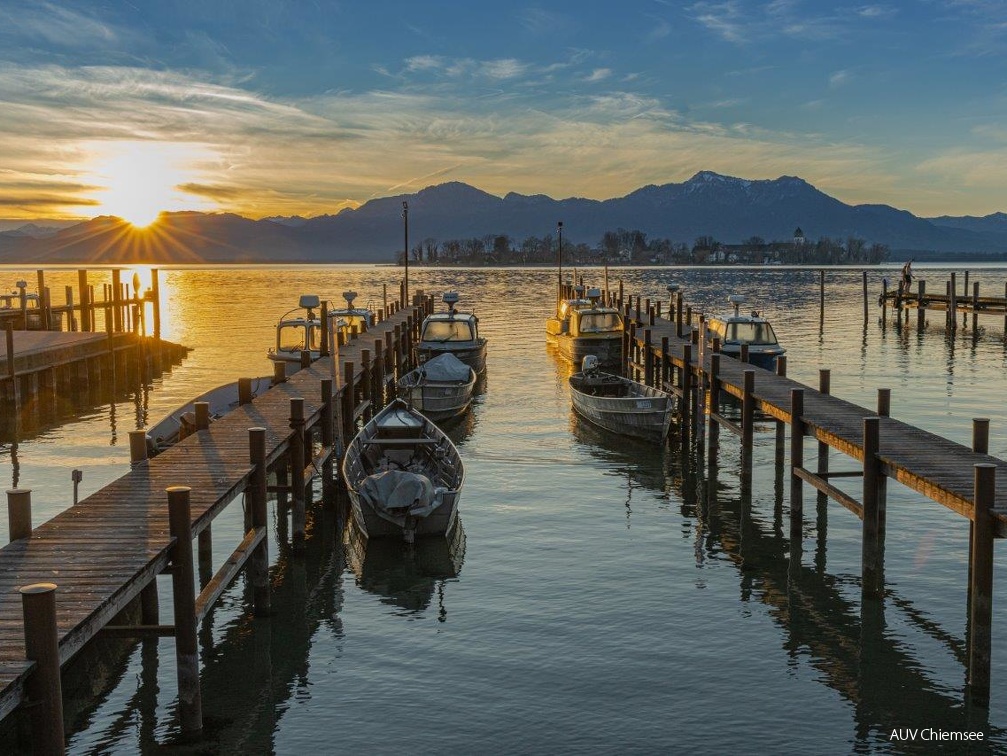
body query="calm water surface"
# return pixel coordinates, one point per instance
(599, 603)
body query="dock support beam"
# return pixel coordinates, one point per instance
(190, 705)
(297, 465)
(981, 584)
(872, 549)
(43, 688)
(255, 495)
(747, 429)
(796, 461)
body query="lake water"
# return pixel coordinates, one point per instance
(600, 603)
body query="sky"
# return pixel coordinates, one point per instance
(275, 107)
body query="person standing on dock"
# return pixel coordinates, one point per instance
(907, 278)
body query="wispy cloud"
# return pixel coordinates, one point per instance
(599, 74)
(839, 79)
(57, 25)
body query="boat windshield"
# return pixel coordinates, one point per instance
(447, 330)
(291, 338)
(600, 322)
(751, 333)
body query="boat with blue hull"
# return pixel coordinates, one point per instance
(752, 330)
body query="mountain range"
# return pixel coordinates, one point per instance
(729, 209)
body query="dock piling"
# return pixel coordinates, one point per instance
(872, 555)
(747, 429)
(796, 462)
(137, 446)
(190, 706)
(258, 566)
(298, 462)
(43, 687)
(19, 513)
(981, 583)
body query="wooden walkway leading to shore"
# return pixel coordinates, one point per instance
(108, 548)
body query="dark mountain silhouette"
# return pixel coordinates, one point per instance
(728, 209)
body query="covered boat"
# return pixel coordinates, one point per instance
(440, 388)
(182, 422)
(403, 475)
(754, 330)
(454, 332)
(584, 327)
(619, 404)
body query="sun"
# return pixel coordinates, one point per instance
(140, 180)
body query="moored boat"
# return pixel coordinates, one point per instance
(403, 475)
(619, 404)
(351, 317)
(583, 326)
(180, 423)
(441, 388)
(297, 333)
(452, 332)
(754, 331)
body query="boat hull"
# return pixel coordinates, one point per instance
(639, 411)
(416, 446)
(438, 400)
(608, 349)
(472, 354)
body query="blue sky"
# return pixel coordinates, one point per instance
(305, 107)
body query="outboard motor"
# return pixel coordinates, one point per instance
(589, 364)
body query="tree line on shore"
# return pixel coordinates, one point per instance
(632, 247)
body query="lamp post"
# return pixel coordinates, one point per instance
(405, 227)
(559, 277)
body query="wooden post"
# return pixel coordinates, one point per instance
(202, 415)
(872, 558)
(648, 358)
(884, 301)
(11, 373)
(324, 348)
(981, 584)
(349, 400)
(747, 429)
(190, 706)
(953, 304)
(43, 687)
(297, 464)
(279, 372)
(743, 354)
(713, 439)
(975, 307)
(155, 297)
(150, 609)
(116, 301)
(328, 442)
(824, 387)
(796, 461)
(884, 402)
(305, 358)
(980, 445)
(781, 427)
(244, 391)
(662, 369)
(255, 495)
(19, 513)
(204, 554)
(965, 298)
(685, 381)
(43, 303)
(85, 314)
(866, 311)
(71, 318)
(137, 446)
(678, 317)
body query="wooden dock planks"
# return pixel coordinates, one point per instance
(103, 551)
(925, 462)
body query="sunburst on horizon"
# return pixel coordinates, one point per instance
(141, 180)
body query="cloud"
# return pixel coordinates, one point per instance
(58, 25)
(723, 19)
(839, 78)
(599, 74)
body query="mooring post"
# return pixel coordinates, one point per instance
(953, 303)
(921, 304)
(279, 372)
(685, 381)
(305, 358)
(824, 387)
(634, 373)
(747, 428)
(82, 287)
(743, 354)
(150, 609)
(872, 558)
(328, 442)
(190, 707)
(965, 298)
(713, 439)
(11, 373)
(981, 562)
(255, 495)
(137, 447)
(648, 358)
(796, 462)
(202, 410)
(663, 378)
(975, 307)
(244, 391)
(43, 687)
(19, 513)
(884, 402)
(297, 465)
(324, 348)
(678, 316)
(980, 445)
(884, 301)
(866, 311)
(781, 427)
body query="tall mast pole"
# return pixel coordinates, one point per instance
(559, 280)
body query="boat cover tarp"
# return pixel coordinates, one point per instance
(400, 490)
(446, 367)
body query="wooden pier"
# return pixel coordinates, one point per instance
(952, 302)
(65, 581)
(675, 354)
